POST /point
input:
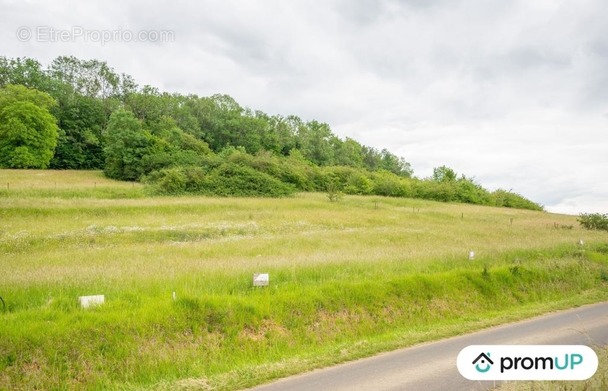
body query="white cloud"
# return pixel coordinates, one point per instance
(512, 92)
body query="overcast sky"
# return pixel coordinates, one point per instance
(512, 93)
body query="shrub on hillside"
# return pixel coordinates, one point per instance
(594, 221)
(169, 181)
(228, 179)
(359, 183)
(386, 183)
(236, 180)
(338, 175)
(512, 200)
(467, 191)
(437, 191)
(293, 169)
(299, 173)
(177, 180)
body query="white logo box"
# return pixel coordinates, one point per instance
(527, 362)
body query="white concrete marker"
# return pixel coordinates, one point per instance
(91, 301)
(261, 279)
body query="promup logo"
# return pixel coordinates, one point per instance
(527, 362)
(483, 363)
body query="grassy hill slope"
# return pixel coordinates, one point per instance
(347, 279)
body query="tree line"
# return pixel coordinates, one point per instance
(82, 114)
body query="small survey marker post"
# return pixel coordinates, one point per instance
(261, 279)
(91, 301)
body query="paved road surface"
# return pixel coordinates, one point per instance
(432, 366)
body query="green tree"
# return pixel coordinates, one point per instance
(90, 78)
(93, 79)
(232, 125)
(127, 143)
(80, 133)
(444, 174)
(396, 165)
(171, 146)
(279, 136)
(28, 131)
(348, 153)
(24, 71)
(315, 140)
(372, 159)
(147, 104)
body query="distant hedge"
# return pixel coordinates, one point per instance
(594, 221)
(228, 179)
(234, 172)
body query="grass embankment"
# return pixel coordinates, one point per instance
(347, 279)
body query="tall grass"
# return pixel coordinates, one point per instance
(347, 279)
(67, 184)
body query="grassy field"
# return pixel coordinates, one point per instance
(347, 279)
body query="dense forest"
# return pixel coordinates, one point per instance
(82, 114)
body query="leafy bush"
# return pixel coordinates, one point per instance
(231, 179)
(228, 179)
(168, 181)
(513, 200)
(294, 169)
(388, 184)
(471, 193)
(595, 221)
(359, 183)
(177, 180)
(339, 174)
(437, 191)
(195, 179)
(299, 173)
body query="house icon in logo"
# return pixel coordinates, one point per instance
(483, 359)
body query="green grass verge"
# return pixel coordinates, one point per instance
(348, 279)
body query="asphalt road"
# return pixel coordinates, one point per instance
(432, 366)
